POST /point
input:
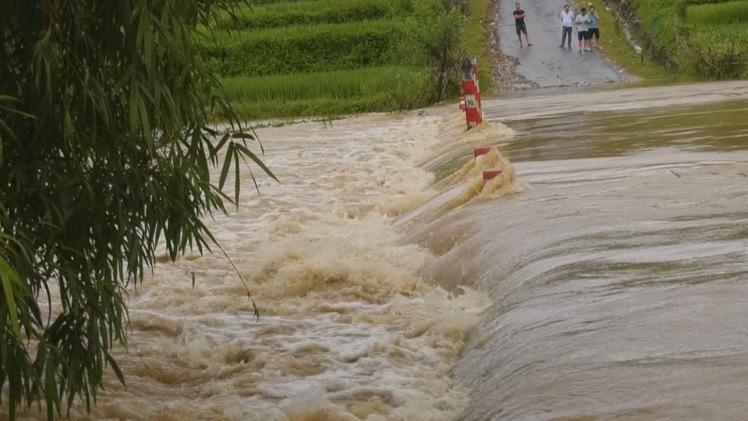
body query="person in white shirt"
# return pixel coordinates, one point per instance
(567, 23)
(583, 25)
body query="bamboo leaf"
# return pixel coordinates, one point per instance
(226, 166)
(115, 368)
(242, 135)
(67, 125)
(13, 110)
(237, 178)
(256, 160)
(134, 100)
(10, 278)
(222, 142)
(80, 220)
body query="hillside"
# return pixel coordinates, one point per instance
(330, 57)
(707, 39)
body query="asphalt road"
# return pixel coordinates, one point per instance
(545, 63)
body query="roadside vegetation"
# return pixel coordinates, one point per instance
(279, 59)
(324, 58)
(105, 157)
(707, 39)
(617, 48)
(475, 38)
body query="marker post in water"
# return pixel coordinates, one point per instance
(479, 153)
(471, 92)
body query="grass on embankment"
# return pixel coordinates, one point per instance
(305, 49)
(475, 42)
(617, 48)
(312, 13)
(288, 59)
(326, 94)
(707, 38)
(718, 14)
(717, 39)
(373, 62)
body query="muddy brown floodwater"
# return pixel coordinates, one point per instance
(602, 275)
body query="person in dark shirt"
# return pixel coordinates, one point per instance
(519, 22)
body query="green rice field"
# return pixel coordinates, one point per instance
(708, 38)
(728, 13)
(324, 58)
(314, 12)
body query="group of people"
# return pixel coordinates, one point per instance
(588, 27)
(587, 23)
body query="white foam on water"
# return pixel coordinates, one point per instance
(348, 328)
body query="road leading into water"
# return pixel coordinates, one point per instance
(545, 63)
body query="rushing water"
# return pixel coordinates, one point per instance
(608, 280)
(619, 277)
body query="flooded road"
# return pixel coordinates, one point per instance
(619, 277)
(602, 275)
(561, 124)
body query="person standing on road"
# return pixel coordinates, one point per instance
(519, 23)
(567, 23)
(583, 22)
(594, 29)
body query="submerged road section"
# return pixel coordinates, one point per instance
(618, 278)
(545, 63)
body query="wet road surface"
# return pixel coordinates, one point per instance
(545, 63)
(619, 276)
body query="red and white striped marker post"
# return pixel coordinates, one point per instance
(473, 111)
(489, 174)
(480, 151)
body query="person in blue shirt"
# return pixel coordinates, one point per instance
(594, 28)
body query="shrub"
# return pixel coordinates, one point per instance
(721, 52)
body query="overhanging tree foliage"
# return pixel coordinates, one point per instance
(104, 153)
(434, 38)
